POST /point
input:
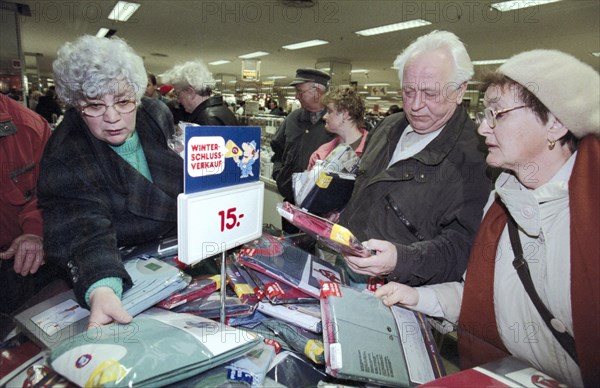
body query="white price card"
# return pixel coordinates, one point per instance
(214, 221)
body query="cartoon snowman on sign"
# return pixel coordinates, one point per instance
(249, 155)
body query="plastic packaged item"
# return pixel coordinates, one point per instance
(158, 347)
(301, 340)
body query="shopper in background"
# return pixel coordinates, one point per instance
(393, 109)
(551, 153)
(152, 89)
(48, 107)
(421, 186)
(33, 99)
(168, 94)
(345, 118)
(107, 178)
(193, 84)
(166, 91)
(302, 132)
(275, 109)
(23, 135)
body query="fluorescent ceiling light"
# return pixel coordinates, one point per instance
(253, 55)
(373, 98)
(123, 10)
(277, 77)
(393, 27)
(359, 71)
(324, 68)
(102, 32)
(219, 62)
(308, 43)
(382, 84)
(489, 62)
(516, 4)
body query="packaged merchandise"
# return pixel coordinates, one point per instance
(289, 264)
(157, 348)
(390, 346)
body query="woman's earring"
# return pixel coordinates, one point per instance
(551, 144)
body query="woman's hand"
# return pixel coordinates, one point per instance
(105, 307)
(383, 262)
(393, 293)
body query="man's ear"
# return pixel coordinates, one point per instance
(556, 129)
(460, 92)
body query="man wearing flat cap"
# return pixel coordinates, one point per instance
(302, 132)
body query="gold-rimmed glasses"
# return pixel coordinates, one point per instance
(490, 115)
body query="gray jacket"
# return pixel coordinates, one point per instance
(430, 205)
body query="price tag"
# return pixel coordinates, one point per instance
(213, 221)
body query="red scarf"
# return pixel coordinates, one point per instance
(479, 341)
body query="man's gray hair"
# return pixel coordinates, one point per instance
(91, 67)
(191, 73)
(463, 67)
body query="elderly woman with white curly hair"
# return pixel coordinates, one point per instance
(108, 177)
(193, 85)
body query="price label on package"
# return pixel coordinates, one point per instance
(214, 221)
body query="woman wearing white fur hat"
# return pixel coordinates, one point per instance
(541, 124)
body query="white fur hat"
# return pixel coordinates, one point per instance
(569, 88)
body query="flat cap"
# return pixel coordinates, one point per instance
(311, 75)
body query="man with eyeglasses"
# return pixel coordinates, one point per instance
(107, 178)
(302, 132)
(421, 185)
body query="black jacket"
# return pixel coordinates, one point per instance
(430, 205)
(293, 144)
(93, 201)
(213, 111)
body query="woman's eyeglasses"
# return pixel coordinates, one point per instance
(490, 115)
(96, 110)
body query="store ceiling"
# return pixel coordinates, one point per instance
(169, 32)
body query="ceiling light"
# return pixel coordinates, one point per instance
(359, 71)
(308, 43)
(382, 84)
(393, 27)
(596, 54)
(373, 98)
(123, 10)
(219, 62)
(253, 55)
(489, 62)
(277, 77)
(105, 32)
(102, 32)
(516, 4)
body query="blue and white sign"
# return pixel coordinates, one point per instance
(220, 156)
